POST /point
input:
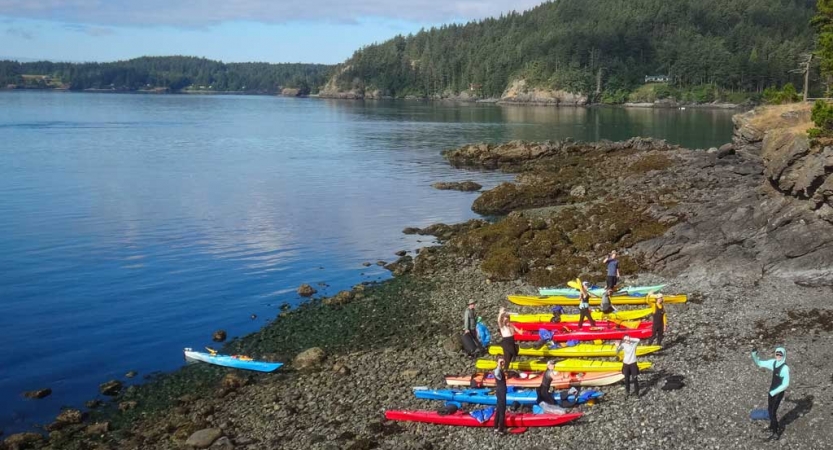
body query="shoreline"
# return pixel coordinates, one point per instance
(400, 333)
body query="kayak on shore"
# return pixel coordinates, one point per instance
(486, 396)
(567, 365)
(587, 333)
(234, 361)
(562, 380)
(598, 291)
(465, 419)
(560, 300)
(570, 318)
(566, 327)
(585, 350)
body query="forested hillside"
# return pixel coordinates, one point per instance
(737, 45)
(171, 72)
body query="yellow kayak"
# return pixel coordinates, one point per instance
(568, 365)
(597, 315)
(589, 350)
(541, 300)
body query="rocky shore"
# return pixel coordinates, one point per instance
(743, 230)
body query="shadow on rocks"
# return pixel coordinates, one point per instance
(801, 408)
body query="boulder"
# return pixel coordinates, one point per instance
(578, 191)
(203, 438)
(401, 253)
(464, 186)
(401, 266)
(306, 290)
(712, 150)
(23, 440)
(112, 387)
(726, 150)
(219, 336)
(131, 374)
(38, 394)
(70, 417)
(341, 298)
(309, 358)
(408, 230)
(223, 443)
(232, 382)
(97, 429)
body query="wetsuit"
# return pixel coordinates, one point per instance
(780, 382)
(584, 310)
(543, 391)
(500, 393)
(658, 327)
(629, 367)
(507, 343)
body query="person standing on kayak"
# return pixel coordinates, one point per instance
(660, 320)
(612, 270)
(629, 367)
(500, 393)
(584, 306)
(507, 336)
(780, 382)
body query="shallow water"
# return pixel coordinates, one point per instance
(132, 226)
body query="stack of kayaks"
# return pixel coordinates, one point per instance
(561, 339)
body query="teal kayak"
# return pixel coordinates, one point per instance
(637, 291)
(486, 396)
(233, 361)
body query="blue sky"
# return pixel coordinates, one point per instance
(321, 31)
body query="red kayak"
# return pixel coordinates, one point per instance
(463, 419)
(587, 334)
(573, 326)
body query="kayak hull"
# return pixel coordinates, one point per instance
(630, 290)
(567, 365)
(235, 363)
(573, 326)
(463, 419)
(560, 300)
(585, 350)
(635, 314)
(486, 396)
(562, 380)
(587, 334)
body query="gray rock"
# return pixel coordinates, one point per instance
(309, 358)
(725, 150)
(712, 150)
(38, 394)
(222, 444)
(578, 191)
(219, 336)
(112, 387)
(97, 429)
(306, 290)
(203, 438)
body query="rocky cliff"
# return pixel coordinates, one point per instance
(519, 91)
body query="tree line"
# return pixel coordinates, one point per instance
(173, 73)
(601, 47)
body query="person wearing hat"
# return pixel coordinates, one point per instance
(470, 329)
(660, 320)
(780, 382)
(584, 306)
(612, 270)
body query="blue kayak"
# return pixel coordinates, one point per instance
(633, 291)
(486, 396)
(234, 361)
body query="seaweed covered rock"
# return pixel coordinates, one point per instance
(465, 186)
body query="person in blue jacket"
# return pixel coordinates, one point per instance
(780, 382)
(483, 334)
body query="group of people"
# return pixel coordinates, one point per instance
(476, 337)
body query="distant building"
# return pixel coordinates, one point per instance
(657, 78)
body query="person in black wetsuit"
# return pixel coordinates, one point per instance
(660, 321)
(507, 336)
(500, 393)
(584, 306)
(543, 391)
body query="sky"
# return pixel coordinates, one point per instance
(313, 31)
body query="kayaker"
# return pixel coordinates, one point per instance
(500, 393)
(543, 391)
(507, 336)
(629, 367)
(483, 334)
(607, 306)
(584, 306)
(612, 270)
(780, 382)
(660, 320)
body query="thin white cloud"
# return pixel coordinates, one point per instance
(211, 12)
(89, 29)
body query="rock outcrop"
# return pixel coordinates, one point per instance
(465, 186)
(519, 91)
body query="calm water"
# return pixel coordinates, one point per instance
(132, 226)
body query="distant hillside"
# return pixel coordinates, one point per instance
(172, 73)
(569, 45)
